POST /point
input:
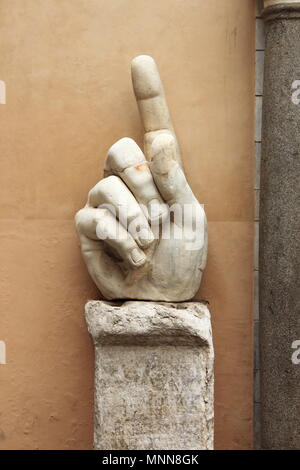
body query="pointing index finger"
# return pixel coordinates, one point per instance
(150, 96)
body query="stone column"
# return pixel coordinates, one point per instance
(279, 229)
(153, 375)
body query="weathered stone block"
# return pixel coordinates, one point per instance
(153, 375)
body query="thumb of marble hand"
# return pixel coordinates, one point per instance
(166, 171)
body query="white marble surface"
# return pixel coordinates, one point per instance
(143, 234)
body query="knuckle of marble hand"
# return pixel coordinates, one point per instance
(141, 181)
(79, 219)
(99, 216)
(140, 168)
(98, 192)
(123, 154)
(93, 194)
(138, 172)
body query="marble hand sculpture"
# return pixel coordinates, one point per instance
(143, 234)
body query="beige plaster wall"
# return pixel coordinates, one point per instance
(66, 68)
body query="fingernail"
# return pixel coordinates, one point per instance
(145, 237)
(137, 256)
(156, 209)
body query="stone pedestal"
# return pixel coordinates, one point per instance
(153, 375)
(279, 229)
